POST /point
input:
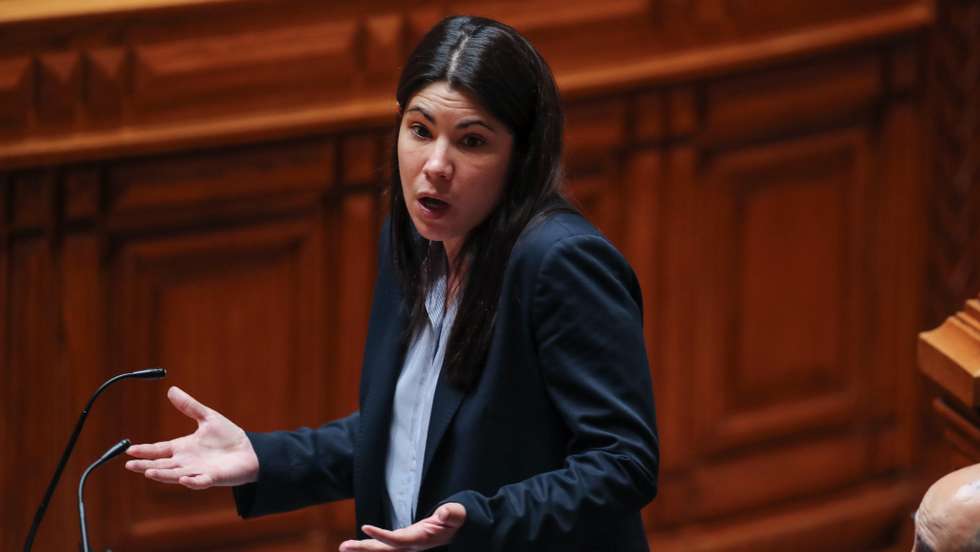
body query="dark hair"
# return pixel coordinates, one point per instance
(494, 65)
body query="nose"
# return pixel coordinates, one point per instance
(439, 165)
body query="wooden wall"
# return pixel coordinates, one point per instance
(195, 184)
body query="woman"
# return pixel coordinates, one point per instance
(505, 400)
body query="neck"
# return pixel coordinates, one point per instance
(453, 272)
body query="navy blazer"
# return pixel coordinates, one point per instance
(556, 446)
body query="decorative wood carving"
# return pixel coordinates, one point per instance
(212, 66)
(955, 201)
(15, 95)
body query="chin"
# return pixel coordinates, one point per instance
(427, 231)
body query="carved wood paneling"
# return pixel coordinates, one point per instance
(954, 268)
(780, 359)
(196, 304)
(182, 182)
(212, 205)
(15, 94)
(197, 69)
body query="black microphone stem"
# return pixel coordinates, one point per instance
(114, 451)
(152, 373)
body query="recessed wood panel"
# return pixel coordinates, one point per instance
(32, 196)
(786, 314)
(216, 309)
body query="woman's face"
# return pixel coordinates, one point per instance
(452, 160)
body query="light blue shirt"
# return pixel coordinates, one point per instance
(414, 393)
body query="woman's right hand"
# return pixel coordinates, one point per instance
(217, 454)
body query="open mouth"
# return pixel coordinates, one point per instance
(433, 204)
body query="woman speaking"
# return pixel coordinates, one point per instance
(505, 399)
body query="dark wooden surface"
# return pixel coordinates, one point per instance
(196, 185)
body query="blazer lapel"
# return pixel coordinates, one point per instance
(444, 406)
(384, 355)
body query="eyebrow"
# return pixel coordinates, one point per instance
(464, 124)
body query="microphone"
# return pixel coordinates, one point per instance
(151, 373)
(116, 450)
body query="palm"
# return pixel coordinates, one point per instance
(217, 453)
(433, 531)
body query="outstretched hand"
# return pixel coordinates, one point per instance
(217, 454)
(435, 530)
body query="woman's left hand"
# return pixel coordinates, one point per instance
(435, 530)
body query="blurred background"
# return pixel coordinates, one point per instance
(196, 184)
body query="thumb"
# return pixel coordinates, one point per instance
(187, 404)
(451, 514)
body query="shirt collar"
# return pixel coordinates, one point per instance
(435, 303)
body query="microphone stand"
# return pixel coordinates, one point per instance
(116, 450)
(151, 373)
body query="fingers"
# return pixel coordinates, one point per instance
(171, 476)
(367, 546)
(197, 482)
(151, 452)
(414, 537)
(140, 466)
(385, 536)
(187, 404)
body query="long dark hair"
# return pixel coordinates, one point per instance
(496, 66)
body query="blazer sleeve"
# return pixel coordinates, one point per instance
(587, 322)
(300, 468)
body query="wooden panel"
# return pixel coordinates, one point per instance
(954, 259)
(791, 363)
(218, 310)
(214, 72)
(866, 516)
(8, 431)
(674, 316)
(32, 200)
(231, 174)
(59, 86)
(262, 68)
(361, 159)
(593, 128)
(82, 193)
(15, 95)
(773, 101)
(84, 361)
(105, 86)
(38, 398)
(901, 236)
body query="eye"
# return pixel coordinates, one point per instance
(419, 130)
(473, 141)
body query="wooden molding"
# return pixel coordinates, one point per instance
(950, 355)
(145, 95)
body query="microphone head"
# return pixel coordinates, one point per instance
(150, 373)
(116, 449)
